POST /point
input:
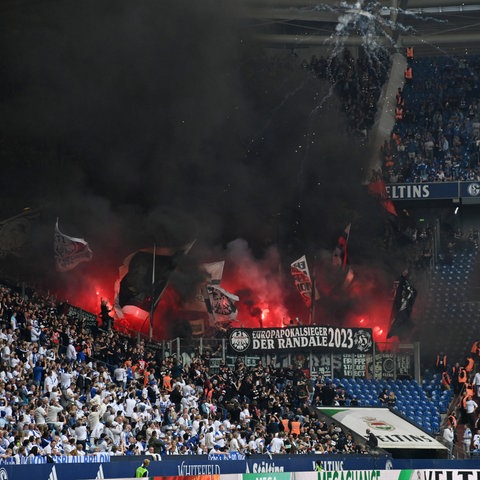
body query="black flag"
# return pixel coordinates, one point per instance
(404, 298)
(144, 276)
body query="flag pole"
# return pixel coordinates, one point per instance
(155, 301)
(312, 297)
(347, 229)
(152, 303)
(208, 304)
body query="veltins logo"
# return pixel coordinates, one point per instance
(474, 189)
(3, 474)
(362, 339)
(377, 424)
(239, 340)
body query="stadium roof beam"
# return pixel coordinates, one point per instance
(310, 4)
(325, 40)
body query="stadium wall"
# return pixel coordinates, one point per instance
(334, 467)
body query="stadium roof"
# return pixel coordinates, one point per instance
(431, 26)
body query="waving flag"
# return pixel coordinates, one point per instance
(378, 188)
(214, 273)
(404, 298)
(143, 278)
(16, 233)
(349, 276)
(221, 303)
(302, 279)
(69, 251)
(339, 257)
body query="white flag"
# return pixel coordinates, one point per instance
(69, 251)
(222, 303)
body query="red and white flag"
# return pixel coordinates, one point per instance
(69, 251)
(301, 276)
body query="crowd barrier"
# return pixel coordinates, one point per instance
(280, 467)
(194, 465)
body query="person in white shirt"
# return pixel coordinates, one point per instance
(227, 424)
(120, 376)
(476, 383)
(476, 441)
(130, 404)
(50, 382)
(40, 412)
(184, 420)
(51, 447)
(96, 433)
(70, 446)
(71, 352)
(252, 445)
(470, 409)
(35, 334)
(69, 396)
(209, 439)
(467, 441)
(245, 415)
(277, 445)
(65, 379)
(52, 415)
(242, 442)
(448, 437)
(94, 417)
(196, 424)
(116, 429)
(6, 351)
(81, 433)
(188, 390)
(234, 445)
(220, 436)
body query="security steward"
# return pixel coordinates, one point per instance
(142, 470)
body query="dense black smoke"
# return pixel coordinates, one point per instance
(136, 122)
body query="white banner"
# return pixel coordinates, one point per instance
(390, 429)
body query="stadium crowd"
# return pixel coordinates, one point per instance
(462, 429)
(358, 83)
(436, 137)
(69, 390)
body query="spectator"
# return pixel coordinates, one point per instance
(470, 409)
(467, 441)
(476, 441)
(277, 444)
(383, 397)
(372, 441)
(448, 437)
(392, 399)
(142, 470)
(89, 405)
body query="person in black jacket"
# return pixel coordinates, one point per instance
(372, 441)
